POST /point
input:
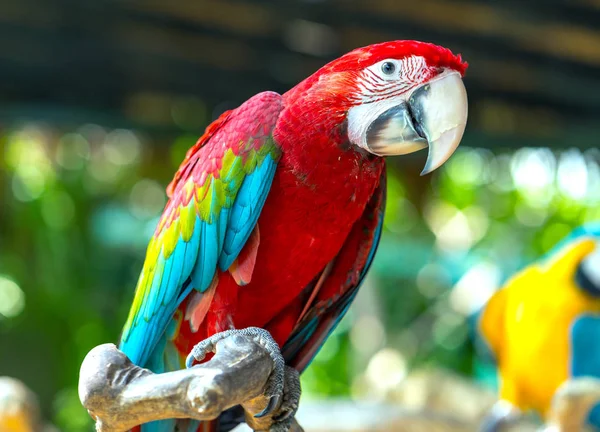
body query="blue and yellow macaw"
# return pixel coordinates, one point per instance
(543, 326)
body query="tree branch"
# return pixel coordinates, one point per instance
(120, 395)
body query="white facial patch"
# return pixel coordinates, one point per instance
(591, 266)
(381, 91)
(407, 73)
(361, 116)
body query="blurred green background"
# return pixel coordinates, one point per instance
(99, 100)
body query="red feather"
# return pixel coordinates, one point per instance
(186, 166)
(243, 266)
(434, 55)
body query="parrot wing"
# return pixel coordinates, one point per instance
(335, 289)
(215, 200)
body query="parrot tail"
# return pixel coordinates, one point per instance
(192, 426)
(211, 426)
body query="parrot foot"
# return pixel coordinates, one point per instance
(285, 415)
(280, 401)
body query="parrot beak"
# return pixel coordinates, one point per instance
(588, 273)
(434, 116)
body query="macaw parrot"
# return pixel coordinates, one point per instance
(542, 327)
(275, 214)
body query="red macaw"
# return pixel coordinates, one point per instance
(275, 214)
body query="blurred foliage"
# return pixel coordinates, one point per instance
(79, 205)
(78, 202)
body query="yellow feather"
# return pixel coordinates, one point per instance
(204, 205)
(250, 162)
(218, 195)
(189, 188)
(234, 179)
(170, 238)
(187, 217)
(229, 160)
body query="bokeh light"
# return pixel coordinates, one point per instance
(12, 298)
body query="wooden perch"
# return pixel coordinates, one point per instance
(120, 395)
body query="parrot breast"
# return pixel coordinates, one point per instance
(320, 189)
(302, 229)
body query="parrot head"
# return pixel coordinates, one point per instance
(395, 98)
(587, 274)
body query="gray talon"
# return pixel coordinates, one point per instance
(271, 406)
(289, 406)
(283, 386)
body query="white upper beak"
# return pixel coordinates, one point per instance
(445, 111)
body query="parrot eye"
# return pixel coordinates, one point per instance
(388, 68)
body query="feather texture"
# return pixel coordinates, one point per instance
(338, 289)
(215, 202)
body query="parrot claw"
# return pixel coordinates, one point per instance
(283, 419)
(291, 396)
(273, 403)
(283, 386)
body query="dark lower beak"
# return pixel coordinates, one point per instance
(588, 273)
(395, 133)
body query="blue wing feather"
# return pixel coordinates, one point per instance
(246, 210)
(190, 251)
(204, 270)
(223, 227)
